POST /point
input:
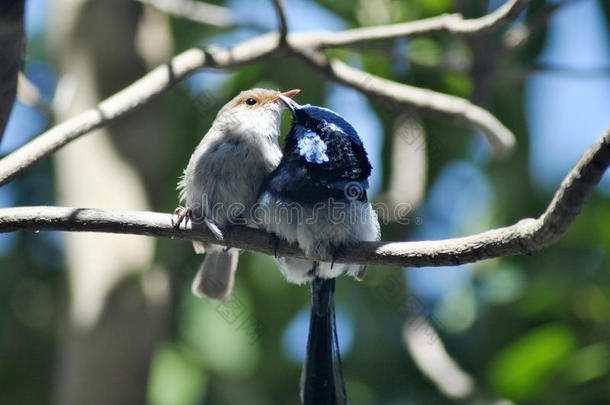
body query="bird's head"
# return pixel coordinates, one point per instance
(256, 112)
(314, 127)
(319, 120)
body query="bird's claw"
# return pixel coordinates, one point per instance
(333, 257)
(183, 214)
(275, 242)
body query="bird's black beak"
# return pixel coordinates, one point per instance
(286, 99)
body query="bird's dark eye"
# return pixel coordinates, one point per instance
(250, 101)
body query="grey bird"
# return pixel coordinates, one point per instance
(223, 178)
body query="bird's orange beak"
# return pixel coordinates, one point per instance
(290, 93)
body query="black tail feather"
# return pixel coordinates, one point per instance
(322, 378)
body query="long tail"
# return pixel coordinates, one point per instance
(215, 276)
(322, 378)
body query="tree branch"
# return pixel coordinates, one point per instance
(521, 33)
(131, 97)
(453, 24)
(251, 51)
(524, 72)
(397, 96)
(281, 16)
(196, 11)
(526, 236)
(12, 40)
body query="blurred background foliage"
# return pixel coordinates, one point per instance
(529, 329)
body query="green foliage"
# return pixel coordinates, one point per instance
(434, 7)
(588, 363)
(425, 51)
(522, 369)
(223, 338)
(533, 329)
(174, 378)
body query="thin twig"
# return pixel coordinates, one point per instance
(131, 97)
(521, 33)
(196, 11)
(522, 73)
(453, 24)
(281, 16)
(29, 94)
(251, 51)
(398, 97)
(526, 236)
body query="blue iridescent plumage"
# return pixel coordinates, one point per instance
(323, 153)
(311, 147)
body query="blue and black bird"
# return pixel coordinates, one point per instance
(317, 198)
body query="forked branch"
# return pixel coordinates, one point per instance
(272, 45)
